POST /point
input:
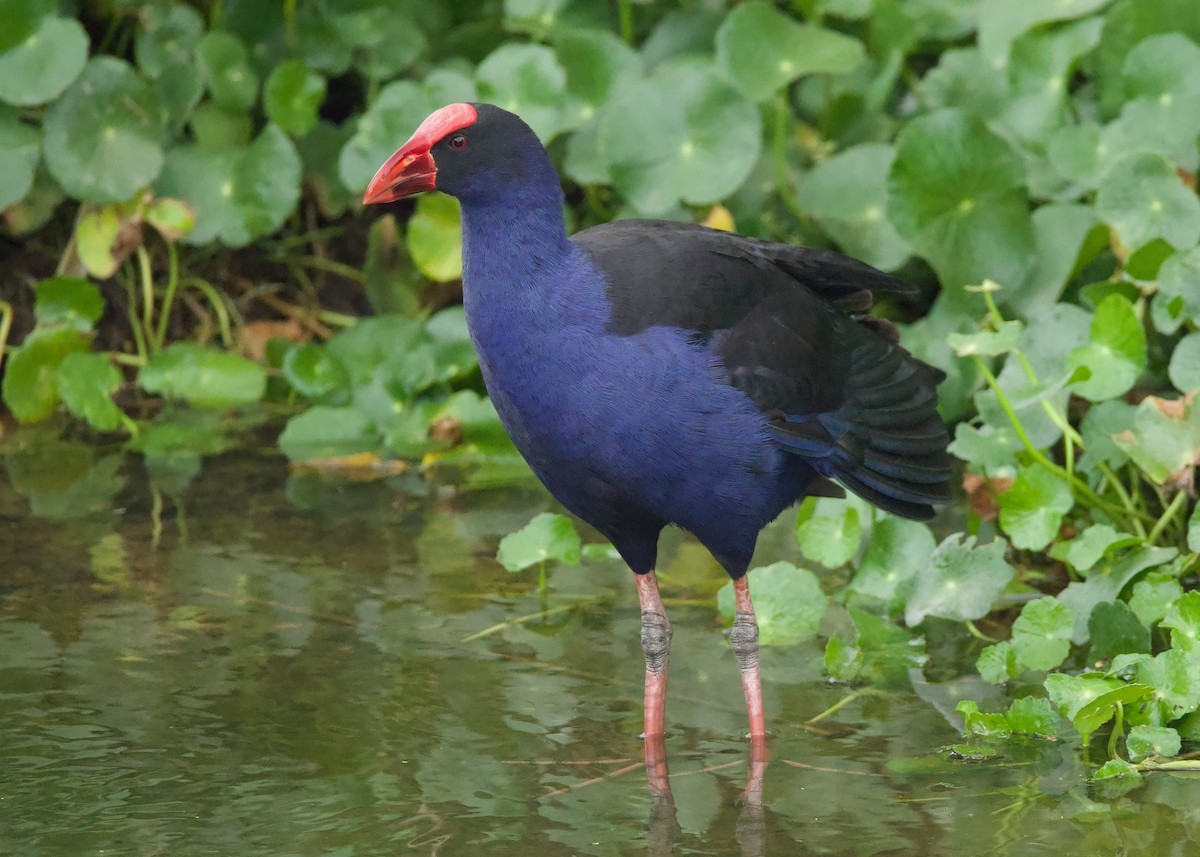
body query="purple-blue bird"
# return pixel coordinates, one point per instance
(657, 373)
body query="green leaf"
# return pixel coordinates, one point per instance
(1116, 354)
(998, 663)
(30, 387)
(315, 372)
(962, 582)
(847, 194)
(1095, 712)
(788, 603)
(171, 217)
(1184, 369)
(1193, 530)
(679, 135)
(326, 432)
(86, 383)
(19, 155)
(1144, 741)
(203, 376)
(232, 82)
(1031, 511)
(70, 301)
(292, 97)
(102, 138)
(166, 54)
(988, 447)
(830, 540)
(596, 63)
(957, 195)
(1115, 629)
(38, 69)
(1033, 716)
(1177, 299)
(1175, 677)
(1143, 199)
(1183, 618)
(1116, 777)
(434, 237)
(988, 343)
(21, 19)
(239, 193)
(982, 724)
(1152, 596)
(1165, 439)
(96, 233)
(1001, 21)
(761, 50)
(898, 551)
(1088, 548)
(529, 81)
(843, 661)
(1041, 635)
(547, 537)
(1162, 66)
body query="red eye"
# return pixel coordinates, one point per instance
(458, 141)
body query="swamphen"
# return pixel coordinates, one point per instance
(658, 373)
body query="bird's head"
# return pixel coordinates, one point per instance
(462, 150)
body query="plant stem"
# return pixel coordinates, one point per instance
(1117, 732)
(169, 298)
(135, 326)
(975, 632)
(333, 266)
(218, 305)
(147, 277)
(1177, 503)
(625, 14)
(6, 317)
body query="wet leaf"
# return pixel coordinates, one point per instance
(232, 82)
(1116, 777)
(843, 661)
(292, 97)
(897, 552)
(434, 237)
(830, 540)
(204, 377)
(39, 68)
(957, 195)
(1115, 354)
(1114, 630)
(237, 193)
(962, 582)
(1143, 199)
(102, 138)
(760, 49)
(788, 603)
(547, 537)
(1031, 511)
(86, 382)
(1144, 741)
(1041, 635)
(30, 387)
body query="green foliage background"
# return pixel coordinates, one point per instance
(1032, 165)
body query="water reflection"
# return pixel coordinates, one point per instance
(263, 665)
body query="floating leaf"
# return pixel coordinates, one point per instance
(680, 134)
(232, 82)
(1033, 716)
(1144, 741)
(86, 383)
(326, 432)
(962, 582)
(1031, 511)
(957, 195)
(897, 552)
(103, 136)
(38, 69)
(1041, 635)
(434, 237)
(30, 387)
(203, 376)
(1143, 199)
(831, 540)
(1115, 629)
(1116, 777)
(788, 603)
(292, 97)
(547, 537)
(982, 724)
(761, 50)
(238, 194)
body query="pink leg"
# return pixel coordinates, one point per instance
(744, 639)
(656, 644)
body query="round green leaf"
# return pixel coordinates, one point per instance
(203, 376)
(19, 145)
(38, 69)
(293, 96)
(830, 540)
(962, 581)
(679, 135)
(237, 194)
(434, 237)
(391, 119)
(1031, 511)
(1033, 716)
(760, 50)
(166, 54)
(957, 195)
(1183, 618)
(1142, 199)
(1154, 595)
(998, 663)
(1115, 629)
(68, 300)
(1115, 354)
(1041, 635)
(1178, 296)
(96, 232)
(86, 382)
(847, 194)
(172, 218)
(596, 62)
(30, 387)
(21, 19)
(788, 603)
(1001, 21)
(1175, 679)
(547, 537)
(1115, 778)
(1161, 66)
(1185, 364)
(1090, 546)
(102, 138)
(313, 371)
(232, 82)
(1144, 740)
(324, 432)
(529, 81)
(897, 552)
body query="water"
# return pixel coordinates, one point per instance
(271, 665)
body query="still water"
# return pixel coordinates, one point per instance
(242, 661)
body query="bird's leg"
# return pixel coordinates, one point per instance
(744, 639)
(656, 644)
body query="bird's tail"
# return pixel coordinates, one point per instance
(886, 443)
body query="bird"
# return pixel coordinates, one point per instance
(657, 373)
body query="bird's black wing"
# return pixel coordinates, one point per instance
(834, 385)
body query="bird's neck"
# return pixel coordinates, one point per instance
(512, 242)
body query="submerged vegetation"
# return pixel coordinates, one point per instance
(186, 260)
